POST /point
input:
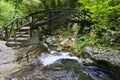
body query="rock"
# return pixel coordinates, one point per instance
(104, 56)
(67, 41)
(67, 44)
(61, 70)
(30, 72)
(1, 33)
(54, 40)
(51, 39)
(87, 53)
(63, 44)
(30, 52)
(7, 60)
(87, 61)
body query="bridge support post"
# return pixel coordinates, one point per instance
(6, 33)
(31, 24)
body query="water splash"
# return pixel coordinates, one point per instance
(47, 58)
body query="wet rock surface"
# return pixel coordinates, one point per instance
(107, 56)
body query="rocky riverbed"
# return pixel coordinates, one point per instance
(22, 64)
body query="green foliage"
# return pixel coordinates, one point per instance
(60, 3)
(30, 6)
(106, 14)
(86, 40)
(6, 12)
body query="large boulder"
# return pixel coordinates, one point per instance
(104, 56)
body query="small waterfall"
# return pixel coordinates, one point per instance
(47, 58)
(53, 58)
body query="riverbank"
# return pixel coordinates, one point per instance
(25, 60)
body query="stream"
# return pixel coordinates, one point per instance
(62, 66)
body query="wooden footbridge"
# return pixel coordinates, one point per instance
(19, 29)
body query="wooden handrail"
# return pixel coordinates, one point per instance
(18, 23)
(49, 16)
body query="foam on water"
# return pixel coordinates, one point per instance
(47, 58)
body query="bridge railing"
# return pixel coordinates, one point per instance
(65, 15)
(46, 17)
(50, 15)
(15, 25)
(10, 28)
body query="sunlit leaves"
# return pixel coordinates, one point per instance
(6, 12)
(60, 3)
(104, 11)
(29, 6)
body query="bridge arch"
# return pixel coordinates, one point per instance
(52, 16)
(47, 17)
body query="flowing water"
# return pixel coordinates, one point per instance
(62, 66)
(47, 59)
